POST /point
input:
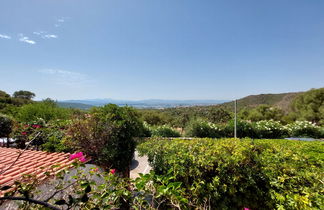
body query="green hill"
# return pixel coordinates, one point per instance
(281, 100)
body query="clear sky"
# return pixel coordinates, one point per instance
(166, 49)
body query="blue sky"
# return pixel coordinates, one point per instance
(166, 49)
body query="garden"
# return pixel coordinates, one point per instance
(210, 170)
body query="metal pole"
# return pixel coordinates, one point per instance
(235, 118)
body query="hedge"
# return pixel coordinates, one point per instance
(234, 174)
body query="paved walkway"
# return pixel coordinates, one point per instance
(139, 165)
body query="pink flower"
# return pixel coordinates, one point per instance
(76, 155)
(82, 159)
(36, 126)
(112, 171)
(72, 157)
(24, 133)
(246, 208)
(79, 156)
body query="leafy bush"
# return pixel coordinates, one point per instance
(243, 129)
(270, 129)
(146, 130)
(233, 173)
(164, 131)
(304, 129)
(107, 135)
(202, 129)
(56, 139)
(50, 136)
(6, 124)
(47, 110)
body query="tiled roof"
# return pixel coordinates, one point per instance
(30, 162)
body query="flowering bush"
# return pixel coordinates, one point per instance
(202, 129)
(107, 135)
(304, 129)
(270, 129)
(46, 136)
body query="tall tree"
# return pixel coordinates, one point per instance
(310, 106)
(24, 94)
(4, 94)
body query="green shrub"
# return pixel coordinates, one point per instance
(6, 124)
(304, 129)
(233, 173)
(56, 139)
(47, 110)
(244, 129)
(203, 129)
(146, 130)
(107, 135)
(164, 131)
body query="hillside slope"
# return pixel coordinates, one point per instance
(281, 100)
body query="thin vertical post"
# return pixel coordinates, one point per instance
(235, 118)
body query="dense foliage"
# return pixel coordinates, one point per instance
(270, 129)
(50, 136)
(262, 112)
(24, 94)
(6, 124)
(107, 135)
(310, 106)
(159, 131)
(304, 129)
(47, 110)
(261, 129)
(9, 105)
(154, 117)
(232, 173)
(201, 129)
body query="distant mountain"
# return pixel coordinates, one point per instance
(281, 100)
(149, 103)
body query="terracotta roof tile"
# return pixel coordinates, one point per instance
(30, 162)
